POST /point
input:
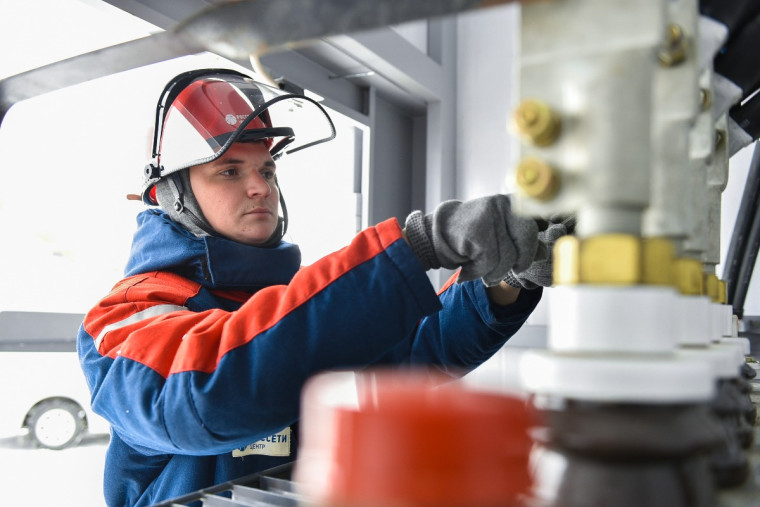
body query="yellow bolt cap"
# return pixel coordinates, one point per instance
(537, 179)
(536, 122)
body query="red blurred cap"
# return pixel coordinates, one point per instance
(414, 442)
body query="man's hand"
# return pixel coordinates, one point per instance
(539, 274)
(482, 236)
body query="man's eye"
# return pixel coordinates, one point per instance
(268, 175)
(229, 172)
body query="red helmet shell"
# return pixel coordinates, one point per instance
(215, 109)
(202, 112)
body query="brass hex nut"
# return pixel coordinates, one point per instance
(659, 254)
(537, 179)
(536, 122)
(711, 287)
(566, 261)
(722, 292)
(611, 259)
(688, 277)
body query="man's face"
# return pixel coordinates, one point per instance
(237, 193)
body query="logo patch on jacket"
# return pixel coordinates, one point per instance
(273, 445)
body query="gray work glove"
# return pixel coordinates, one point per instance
(539, 274)
(481, 236)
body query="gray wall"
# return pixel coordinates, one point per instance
(391, 162)
(485, 59)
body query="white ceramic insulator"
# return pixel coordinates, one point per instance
(612, 319)
(724, 358)
(742, 343)
(726, 317)
(716, 320)
(667, 378)
(693, 320)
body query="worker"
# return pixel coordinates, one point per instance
(198, 356)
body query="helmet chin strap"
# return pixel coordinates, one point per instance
(184, 208)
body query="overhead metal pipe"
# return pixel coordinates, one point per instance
(234, 30)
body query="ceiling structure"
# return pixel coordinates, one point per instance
(373, 55)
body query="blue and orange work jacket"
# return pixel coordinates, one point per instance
(197, 358)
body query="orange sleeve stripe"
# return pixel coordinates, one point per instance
(189, 341)
(137, 293)
(451, 281)
(270, 305)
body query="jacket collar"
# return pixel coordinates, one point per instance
(160, 244)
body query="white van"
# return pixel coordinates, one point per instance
(43, 389)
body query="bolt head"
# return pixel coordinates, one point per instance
(536, 122)
(537, 179)
(673, 51)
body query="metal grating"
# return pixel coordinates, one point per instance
(271, 487)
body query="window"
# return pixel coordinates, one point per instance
(68, 160)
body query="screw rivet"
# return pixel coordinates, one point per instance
(536, 122)
(537, 179)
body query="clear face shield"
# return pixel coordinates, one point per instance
(212, 112)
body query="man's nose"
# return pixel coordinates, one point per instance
(257, 185)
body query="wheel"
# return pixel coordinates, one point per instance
(56, 424)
